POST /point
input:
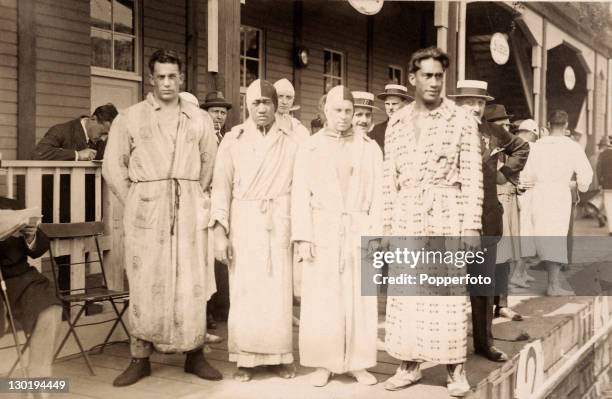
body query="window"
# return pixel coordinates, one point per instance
(250, 61)
(113, 35)
(396, 75)
(333, 69)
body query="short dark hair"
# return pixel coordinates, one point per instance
(558, 118)
(164, 56)
(105, 113)
(427, 53)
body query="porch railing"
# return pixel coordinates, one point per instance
(23, 180)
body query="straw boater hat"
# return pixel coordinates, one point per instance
(364, 99)
(472, 88)
(215, 99)
(395, 90)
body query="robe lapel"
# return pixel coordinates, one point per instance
(270, 157)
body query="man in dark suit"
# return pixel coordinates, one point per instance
(217, 107)
(81, 139)
(472, 95)
(31, 295)
(395, 97)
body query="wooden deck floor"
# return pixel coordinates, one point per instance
(169, 381)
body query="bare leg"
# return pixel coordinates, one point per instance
(42, 343)
(554, 280)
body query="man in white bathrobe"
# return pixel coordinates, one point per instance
(336, 199)
(549, 170)
(250, 216)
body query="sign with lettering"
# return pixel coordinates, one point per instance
(500, 49)
(530, 370)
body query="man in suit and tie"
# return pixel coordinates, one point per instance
(81, 139)
(395, 98)
(217, 108)
(496, 141)
(218, 305)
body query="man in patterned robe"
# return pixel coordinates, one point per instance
(432, 187)
(158, 162)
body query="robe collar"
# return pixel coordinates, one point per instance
(184, 107)
(337, 135)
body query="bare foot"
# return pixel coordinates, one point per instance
(243, 374)
(283, 370)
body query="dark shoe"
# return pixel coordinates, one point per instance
(138, 369)
(195, 363)
(493, 354)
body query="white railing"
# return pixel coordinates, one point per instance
(106, 208)
(23, 180)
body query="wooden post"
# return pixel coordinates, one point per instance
(447, 24)
(228, 78)
(26, 78)
(370, 52)
(543, 69)
(191, 45)
(298, 9)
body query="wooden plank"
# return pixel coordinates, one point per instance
(77, 195)
(26, 78)
(10, 184)
(56, 195)
(55, 44)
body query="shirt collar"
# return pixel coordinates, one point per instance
(185, 108)
(84, 125)
(444, 110)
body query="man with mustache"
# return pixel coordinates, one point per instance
(252, 231)
(363, 116)
(395, 97)
(336, 199)
(472, 96)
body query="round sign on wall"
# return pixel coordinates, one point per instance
(569, 78)
(367, 7)
(500, 49)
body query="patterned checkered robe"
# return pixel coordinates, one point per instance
(251, 199)
(161, 179)
(332, 208)
(432, 187)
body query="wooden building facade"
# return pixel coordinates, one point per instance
(61, 58)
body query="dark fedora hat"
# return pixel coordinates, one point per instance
(395, 90)
(472, 88)
(495, 112)
(215, 99)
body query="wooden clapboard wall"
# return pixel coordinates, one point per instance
(63, 53)
(8, 79)
(164, 26)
